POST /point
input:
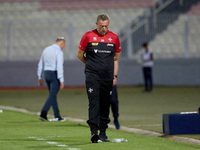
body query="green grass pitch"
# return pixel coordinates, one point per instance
(137, 109)
(20, 131)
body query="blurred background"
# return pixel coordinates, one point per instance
(171, 27)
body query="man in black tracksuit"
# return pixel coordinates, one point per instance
(98, 49)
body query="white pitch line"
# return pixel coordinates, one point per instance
(41, 139)
(132, 130)
(62, 145)
(148, 125)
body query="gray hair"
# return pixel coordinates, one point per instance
(60, 39)
(103, 17)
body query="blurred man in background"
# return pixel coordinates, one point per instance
(51, 62)
(147, 60)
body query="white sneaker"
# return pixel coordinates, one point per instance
(62, 119)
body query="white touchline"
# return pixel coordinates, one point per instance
(148, 125)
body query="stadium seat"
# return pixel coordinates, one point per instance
(36, 23)
(171, 41)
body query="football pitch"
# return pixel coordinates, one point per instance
(20, 131)
(137, 110)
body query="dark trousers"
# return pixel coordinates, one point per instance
(147, 72)
(53, 86)
(115, 103)
(99, 95)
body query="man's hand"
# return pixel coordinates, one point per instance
(116, 57)
(80, 56)
(40, 82)
(114, 81)
(61, 85)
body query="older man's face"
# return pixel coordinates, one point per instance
(102, 26)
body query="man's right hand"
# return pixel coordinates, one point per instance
(40, 82)
(81, 56)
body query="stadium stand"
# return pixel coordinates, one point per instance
(170, 43)
(18, 1)
(195, 10)
(94, 4)
(28, 26)
(175, 34)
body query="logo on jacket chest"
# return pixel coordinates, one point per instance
(101, 51)
(102, 39)
(95, 44)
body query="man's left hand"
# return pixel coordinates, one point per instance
(61, 85)
(114, 81)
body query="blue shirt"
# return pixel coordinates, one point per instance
(52, 60)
